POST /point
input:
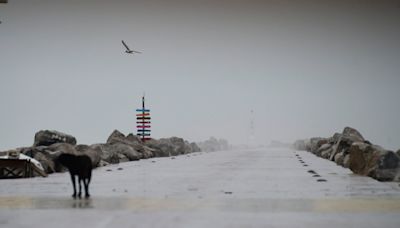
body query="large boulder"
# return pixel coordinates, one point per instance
(344, 141)
(353, 134)
(132, 141)
(125, 150)
(316, 143)
(133, 138)
(325, 150)
(147, 152)
(374, 161)
(116, 152)
(106, 154)
(66, 148)
(179, 146)
(94, 155)
(333, 140)
(194, 147)
(173, 146)
(116, 136)
(161, 147)
(47, 138)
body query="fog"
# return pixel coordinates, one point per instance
(306, 68)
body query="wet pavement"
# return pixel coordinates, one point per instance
(254, 188)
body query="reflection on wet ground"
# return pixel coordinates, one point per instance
(247, 205)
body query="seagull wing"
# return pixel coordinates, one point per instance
(137, 51)
(126, 46)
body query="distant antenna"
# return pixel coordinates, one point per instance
(252, 129)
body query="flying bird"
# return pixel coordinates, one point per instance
(129, 51)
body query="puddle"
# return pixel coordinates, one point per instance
(67, 203)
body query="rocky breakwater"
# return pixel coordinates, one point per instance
(48, 145)
(350, 150)
(213, 144)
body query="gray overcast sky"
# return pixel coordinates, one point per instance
(306, 68)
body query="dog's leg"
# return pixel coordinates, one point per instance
(73, 184)
(80, 187)
(86, 182)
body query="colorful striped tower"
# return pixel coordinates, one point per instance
(143, 122)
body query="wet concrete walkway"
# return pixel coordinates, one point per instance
(257, 188)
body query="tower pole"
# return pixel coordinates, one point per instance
(143, 122)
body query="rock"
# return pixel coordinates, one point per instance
(386, 174)
(106, 154)
(353, 133)
(339, 158)
(333, 140)
(173, 146)
(47, 156)
(147, 152)
(178, 144)
(346, 161)
(47, 138)
(103, 163)
(316, 143)
(116, 136)
(116, 152)
(126, 150)
(134, 138)
(56, 149)
(194, 147)
(327, 153)
(42, 155)
(350, 150)
(122, 158)
(358, 158)
(345, 140)
(94, 155)
(47, 162)
(63, 148)
(325, 147)
(132, 141)
(213, 144)
(162, 148)
(374, 161)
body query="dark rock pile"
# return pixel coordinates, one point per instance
(350, 150)
(48, 145)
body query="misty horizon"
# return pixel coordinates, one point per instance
(306, 68)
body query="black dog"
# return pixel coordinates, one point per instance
(81, 166)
